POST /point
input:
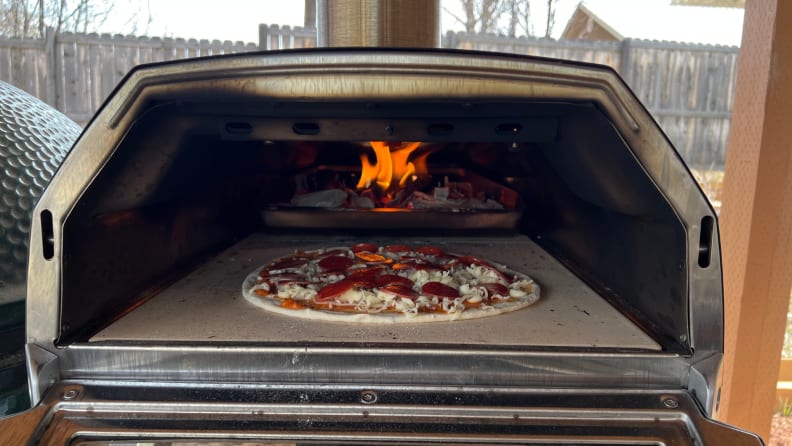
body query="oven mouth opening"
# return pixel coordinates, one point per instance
(490, 178)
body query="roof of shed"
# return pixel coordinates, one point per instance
(659, 20)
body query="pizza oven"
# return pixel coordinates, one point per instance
(197, 172)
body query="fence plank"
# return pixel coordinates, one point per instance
(107, 78)
(5, 64)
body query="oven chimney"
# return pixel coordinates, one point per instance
(378, 23)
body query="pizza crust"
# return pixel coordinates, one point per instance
(272, 305)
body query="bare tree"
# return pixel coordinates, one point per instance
(511, 17)
(551, 10)
(520, 18)
(480, 16)
(31, 18)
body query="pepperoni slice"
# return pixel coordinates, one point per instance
(366, 278)
(362, 247)
(331, 291)
(370, 257)
(503, 276)
(439, 290)
(427, 267)
(430, 250)
(366, 271)
(335, 263)
(470, 260)
(363, 282)
(400, 290)
(495, 289)
(397, 248)
(393, 279)
(401, 265)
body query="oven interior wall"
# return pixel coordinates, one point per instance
(191, 178)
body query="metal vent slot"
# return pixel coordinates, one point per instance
(705, 241)
(239, 128)
(47, 235)
(306, 128)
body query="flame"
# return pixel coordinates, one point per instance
(392, 165)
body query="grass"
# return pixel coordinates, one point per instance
(786, 408)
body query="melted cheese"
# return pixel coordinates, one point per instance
(295, 292)
(481, 274)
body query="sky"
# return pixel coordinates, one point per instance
(238, 20)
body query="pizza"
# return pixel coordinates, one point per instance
(387, 284)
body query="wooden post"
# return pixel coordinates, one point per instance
(756, 221)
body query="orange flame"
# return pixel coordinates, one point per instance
(392, 165)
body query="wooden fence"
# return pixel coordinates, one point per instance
(688, 88)
(76, 72)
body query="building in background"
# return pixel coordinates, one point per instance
(683, 21)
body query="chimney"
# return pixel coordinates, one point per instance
(378, 23)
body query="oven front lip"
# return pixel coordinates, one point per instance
(120, 411)
(214, 365)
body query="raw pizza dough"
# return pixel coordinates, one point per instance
(374, 284)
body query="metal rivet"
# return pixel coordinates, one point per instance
(70, 394)
(670, 403)
(368, 397)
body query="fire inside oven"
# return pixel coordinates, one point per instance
(391, 186)
(199, 195)
(399, 180)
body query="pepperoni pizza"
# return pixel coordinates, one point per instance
(387, 284)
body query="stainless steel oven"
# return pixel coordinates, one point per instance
(186, 180)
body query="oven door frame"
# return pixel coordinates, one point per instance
(74, 412)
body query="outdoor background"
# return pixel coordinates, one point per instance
(72, 53)
(678, 56)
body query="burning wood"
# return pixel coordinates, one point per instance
(398, 178)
